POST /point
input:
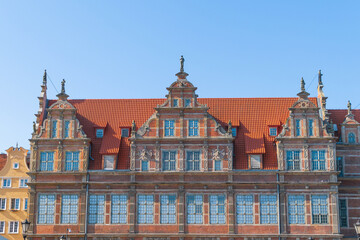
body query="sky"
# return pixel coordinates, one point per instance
(131, 49)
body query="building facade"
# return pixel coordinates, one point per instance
(13, 192)
(190, 168)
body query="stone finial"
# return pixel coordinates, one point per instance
(63, 86)
(302, 85)
(182, 75)
(45, 78)
(349, 107)
(34, 127)
(182, 60)
(319, 78)
(133, 126)
(62, 95)
(229, 127)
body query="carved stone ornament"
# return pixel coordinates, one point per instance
(144, 154)
(230, 157)
(132, 157)
(217, 154)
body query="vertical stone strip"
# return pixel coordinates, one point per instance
(306, 158)
(82, 208)
(231, 210)
(157, 156)
(230, 156)
(283, 210)
(31, 209)
(60, 150)
(343, 134)
(182, 124)
(157, 125)
(205, 150)
(206, 125)
(85, 157)
(132, 209)
(132, 156)
(181, 149)
(280, 154)
(34, 165)
(181, 209)
(305, 127)
(293, 127)
(332, 157)
(333, 201)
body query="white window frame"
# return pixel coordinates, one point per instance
(217, 205)
(8, 185)
(113, 163)
(49, 216)
(119, 215)
(26, 204)
(23, 180)
(269, 205)
(251, 156)
(100, 209)
(195, 214)
(70, 160)
(16, 165)
(2, 224)
(47, 162)
(13, 208)
(3, 206)
(11, 228)
(245, 214)
(72, 206)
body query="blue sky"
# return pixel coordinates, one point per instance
(131, 49)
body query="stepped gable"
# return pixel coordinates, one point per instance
(3, 158)
(251, 116)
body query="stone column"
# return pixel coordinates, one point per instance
(334, 206)
(181, 209)
(231, 210)
(132, 209)
(31, 209)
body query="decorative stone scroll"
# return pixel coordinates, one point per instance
(217, 154)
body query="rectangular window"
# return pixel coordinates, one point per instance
(218, 165)
(96, 209)
(193, 128)
(46, 161)
(145, 209)
(268, 209)
(168, 209)
(2, 203)
(72, 161)
(119, 209)
(255, 161)
(54, 129)
(187, 102)
(297, 128)
(293, 160)
(311, 127)
(343, 213)
(217, 209)
(14, 227)
(175, 102)
(169, 128)
(340, 166)
(319, 205)
(144, 165)
(15, 204)
(195, 209)
(109, 162)
(99, 133)
(16, 166)
(25, 203)
(193, 160)
(125, 132)
(6, 183)
(273, 131)
(244, 209)
(296, 209)
(69, 209)
(66, 129)
(169, 161)
(233, 132)
(23, 183)
(46, 210)
(318, 159)
(2, 227)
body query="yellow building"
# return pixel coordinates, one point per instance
(13, 192)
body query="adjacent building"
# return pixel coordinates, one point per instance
(13, 192)
(185, 167)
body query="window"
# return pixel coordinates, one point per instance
(175, 102)
(168, 209)
(273, 131)
(119, 209)
(145, 209)
(319, 207)
(268, 209)
(6, 183)
(16, 166)
(293, 160)
(125, 132)
(69, 209)
(296, 209)
(255, 161)
(23, 182)
(340, 166)
(46, 210)
(193, 128)
(217, 209)
(343, 213)
(96, 209)
(2, 203)
(318, 159)
(46, 161)
(195, 209)
(54, 129)
(25, 203)
(297, 127)
(66, 128)
(233, 132)
(187, 102)
(244, 209)
(169, 128)
(72, 161)
(218, 165)
(13, 227)
(193, 160)
(311, 127)
(351, 138)
(15, 204)
(109, 162)
(2, 227)
(144, 165)
(169, 160)
(99, 133)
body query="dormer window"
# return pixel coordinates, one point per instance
(99, 133)
(124, 132)
(351, 138)
(233, 132)
(273, 131)
(175, 102)
(255, 161)
(311, 127)
(109, 162)
(297, 127)
(187, 102)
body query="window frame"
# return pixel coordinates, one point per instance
(318, 160)
(49, 217)
(346, 217)
(126, 130)
(114, 162)
(3, 206)
(169, 160)
(270, 132)
(193, 161)
(192, 129)
(234, 131)
(297, 127)
(340, 159)
(293, 159)
(311, 127)
(72, 162)
(260, 161)
(245, 213)
(71, 207)
(269, 210)
(26, 204)
(194, 214)
(327, 209)
(170, 130)
(25, 181)
(54, 128)
(119, 215)
(66, 128)
(11, 229)
(145, 214)
(97, 132)
(353, 138)
(2, 226)
(14, 204)
(296, 206)
(189, 101)
(47, 162)
(168, 206)
(217, 206)
(16, 165)
(8, 180)
(175, 100)
(97, 213)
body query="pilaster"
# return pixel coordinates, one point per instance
(181, 208)
(231, 210)
(132, 209)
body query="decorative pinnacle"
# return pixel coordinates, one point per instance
(63, 86)
(44, 78)
(349, 107)
(182, 60)
(229, 127)
(302, 85)
(320, 80)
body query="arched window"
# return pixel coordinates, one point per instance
(351, 138)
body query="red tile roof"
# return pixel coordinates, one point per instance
(3, 158)
(252, 116)
(338, 117)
